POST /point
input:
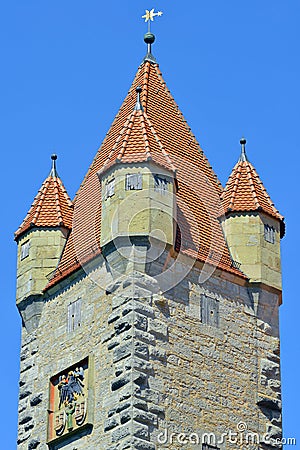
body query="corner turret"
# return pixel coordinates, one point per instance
(41, 238)
(138, 188)
(252, 225)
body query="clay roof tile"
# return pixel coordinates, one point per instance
(244, 191)
(52, 206)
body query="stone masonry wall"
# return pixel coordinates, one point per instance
(157, 368)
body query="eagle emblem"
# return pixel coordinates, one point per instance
(72, 403)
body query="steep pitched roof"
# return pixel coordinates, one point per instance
(199, 190)
(52, 207)
(244, 190)
(138, 142)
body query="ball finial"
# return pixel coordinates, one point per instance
(54, 157)
(149, 38)
(138, 90)
(243, 141)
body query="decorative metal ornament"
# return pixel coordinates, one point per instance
(149, 16)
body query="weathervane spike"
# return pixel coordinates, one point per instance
(149, 37)
(149, 16)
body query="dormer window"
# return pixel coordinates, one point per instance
(133, 181)
(110, 188)
(160, 184)
(25, 250)
(269, 234)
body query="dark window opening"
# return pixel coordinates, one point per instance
(25, 249)
(160, 184)
(269, 234)
(133, 181)
(110, 188)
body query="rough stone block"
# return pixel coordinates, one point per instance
(158, 329)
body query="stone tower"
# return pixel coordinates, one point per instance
(150, 303)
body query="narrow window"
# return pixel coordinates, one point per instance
(74, 315)
(110, 188)
(133, 181)
(269, 234)
(160, 184)
(209, 447)
(209, 311)
(25, 250)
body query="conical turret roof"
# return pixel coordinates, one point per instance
(158, 129)
(245, 192)
(52, 206)
(138, 142)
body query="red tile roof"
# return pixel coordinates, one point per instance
(245, 191)
(138, 142)
(160, 130)
(52, 207)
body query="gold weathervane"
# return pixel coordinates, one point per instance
(149, 16)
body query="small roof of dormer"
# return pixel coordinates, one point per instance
(245, 192)
(52, 207)
(138, 141)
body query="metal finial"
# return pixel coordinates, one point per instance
(243, 156)
(149, 37)
(53, 172)
(138, 105)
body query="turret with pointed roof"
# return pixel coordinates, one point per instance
(42, 235)
(252, 225)
(52, 207)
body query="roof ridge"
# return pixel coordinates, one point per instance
(155, 134)
(145, 135)
(235, 186)
(42, 191)
(64, 190)
(128, 127)
(145, 82)
(253, 190)
(57, 202)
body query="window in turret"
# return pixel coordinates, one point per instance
(269, 234)
(110, 188)
(209, 311)
(25, 249)
(74, 315)
(133, 181)
(160, 184)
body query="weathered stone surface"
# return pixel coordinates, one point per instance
(156, 364)
(24, 392)
(34, 443)
(110, 424)
(24, 418)
(36, 399)
(158, 329)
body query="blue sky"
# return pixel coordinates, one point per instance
(233, 68)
